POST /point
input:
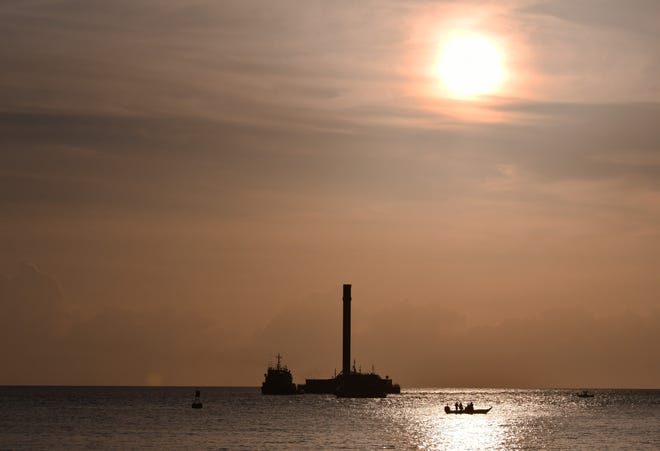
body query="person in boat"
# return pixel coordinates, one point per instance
(469, 407)
(460, 406)
(456, 405)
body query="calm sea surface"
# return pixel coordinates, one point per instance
(241, 418)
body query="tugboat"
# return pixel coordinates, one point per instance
(278, 380)
(197, 403)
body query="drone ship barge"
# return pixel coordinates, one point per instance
(350, 383)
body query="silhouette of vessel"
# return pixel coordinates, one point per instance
(320, 386)
(467, 411)
(330, 386)
(278, 380)
(352, 383)
(585, 394)
(197, 403)
(364, 385)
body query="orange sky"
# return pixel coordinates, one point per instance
(185, 186)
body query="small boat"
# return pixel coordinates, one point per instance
(197, 403)
(469, 410)
(585, 394)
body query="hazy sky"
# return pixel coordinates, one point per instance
(186, 185)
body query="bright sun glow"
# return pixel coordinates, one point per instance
(470, 66)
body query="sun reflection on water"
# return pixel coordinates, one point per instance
(463, 432)
(520, 419)
(429, 427)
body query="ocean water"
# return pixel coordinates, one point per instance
(241, 418)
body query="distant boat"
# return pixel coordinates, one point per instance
(197, 403)
(468, 410)
(278, 380)
(585, 394)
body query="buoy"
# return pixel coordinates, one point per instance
(197, 403)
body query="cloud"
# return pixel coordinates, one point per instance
(634, 17)
(236, 61)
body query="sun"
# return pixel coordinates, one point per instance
(470, 66)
